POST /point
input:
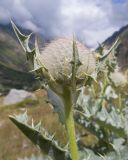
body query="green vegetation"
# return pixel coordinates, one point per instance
(92, 99)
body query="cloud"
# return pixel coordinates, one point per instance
(91, 21)
(31, 26)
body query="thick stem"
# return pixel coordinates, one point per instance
(70, 126)
(71, 136)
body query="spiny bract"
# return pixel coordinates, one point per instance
(57, 57)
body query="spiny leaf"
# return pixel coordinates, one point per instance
(114, 46)
(42, 139)
(75, 61)
(24, 41)
(75, 65)
(113, 120)
(88, 154)
(33, 55)
(21, 37)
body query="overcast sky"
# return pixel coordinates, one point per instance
(91, 21)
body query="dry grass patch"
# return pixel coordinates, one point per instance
(13, 143)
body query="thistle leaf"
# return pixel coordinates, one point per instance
(32, 54)
(112, 120)
(40, 137)
(90, 155)
(24, 41)
(114, 46)
(21, 37)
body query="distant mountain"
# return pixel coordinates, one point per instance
(122, 49)
(13, 65)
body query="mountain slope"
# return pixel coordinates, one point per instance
(122, 49)
(11, 53)
(10, 78)
(13, 65)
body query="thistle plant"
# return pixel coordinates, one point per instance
(64, 68)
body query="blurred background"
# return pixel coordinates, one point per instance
(92, 22)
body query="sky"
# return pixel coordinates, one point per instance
(91, 21)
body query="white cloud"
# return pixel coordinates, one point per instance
(4, 17)
(31, 26)
(91, 21)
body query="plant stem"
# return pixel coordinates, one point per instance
(71, 136)
(70, 126)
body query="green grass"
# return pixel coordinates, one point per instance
(23, 104)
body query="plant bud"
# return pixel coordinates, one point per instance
(57, 57)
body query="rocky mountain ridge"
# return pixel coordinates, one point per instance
(122, 49)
